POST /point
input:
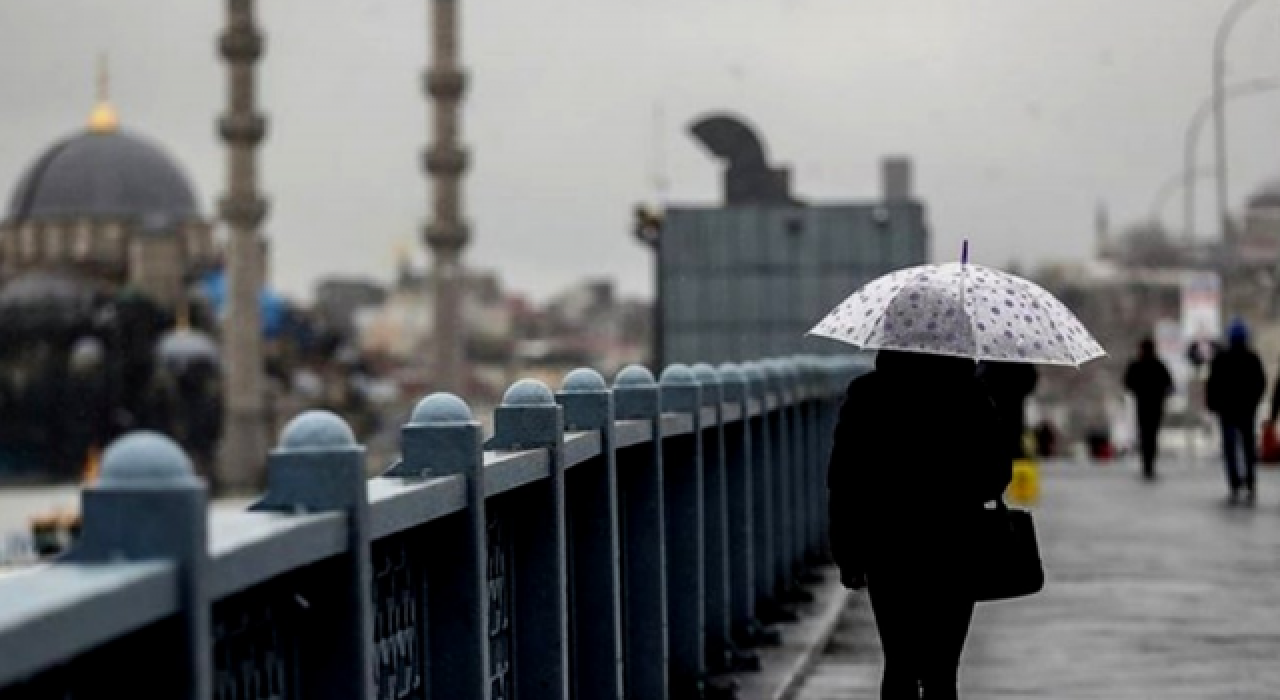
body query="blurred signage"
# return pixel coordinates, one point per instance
(1201, 307)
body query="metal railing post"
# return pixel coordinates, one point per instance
(318, 467)
(443, 439)
(592, 501)
(149, 505)
(762, 471)
(533, 518)
(738, 486)
(682, 507)
(719, 645)
(644, 577)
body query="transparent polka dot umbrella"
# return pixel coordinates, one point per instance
(963, 310)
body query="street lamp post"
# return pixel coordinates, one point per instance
(1225, 27)
(1181, 180)
(1192, 143)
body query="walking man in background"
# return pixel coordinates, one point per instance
(1237, 382)
(1148, 379)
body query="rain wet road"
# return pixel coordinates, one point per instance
(1155, 591)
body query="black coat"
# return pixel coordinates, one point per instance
(918, 451)
(1237, 382)
(1150, 383)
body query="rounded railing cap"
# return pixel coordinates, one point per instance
(146, 460)
(317, 430)
(706, 374)
(678, 375)
(441, 408)
(731, 373)
(633, 377)
(528, 393)
(583, 380)
(754, 372)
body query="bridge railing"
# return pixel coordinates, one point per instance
(605, 542)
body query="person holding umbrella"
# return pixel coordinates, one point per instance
(907, 514)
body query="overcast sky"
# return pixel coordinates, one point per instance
(1020, 114)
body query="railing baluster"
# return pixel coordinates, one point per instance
(443, 439)
(318, 467)
(149, 505)
(644, 580)
(762, 471)
(719, 647)
(738, 485)
(593, 526)
(682, 489)
(533, 520)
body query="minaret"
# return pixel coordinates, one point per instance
(1101, 232)
(244, 448)
(447, 234)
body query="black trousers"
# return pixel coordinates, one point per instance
(1149, 438)
(1239, 436)
(922, 632)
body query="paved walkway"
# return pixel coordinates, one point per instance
(1155, 591)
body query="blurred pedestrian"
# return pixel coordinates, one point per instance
(1148, 379)
(1236, 385)
(1010, 385)
(912, 558)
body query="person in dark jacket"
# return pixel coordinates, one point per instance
(1010, 384)
(1237, 382)
(904, 500)
(1148, 379)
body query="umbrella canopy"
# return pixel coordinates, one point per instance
(962, 310)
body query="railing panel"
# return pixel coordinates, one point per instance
(610, 544)
(65, 611)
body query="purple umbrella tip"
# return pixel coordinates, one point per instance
(964, 252)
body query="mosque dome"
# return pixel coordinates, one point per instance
(105, 173)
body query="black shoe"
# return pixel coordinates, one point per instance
(1233, 498)
(1250, 496)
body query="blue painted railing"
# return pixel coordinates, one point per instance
(604, 543)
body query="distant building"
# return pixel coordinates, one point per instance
(750, 278)
(339, 299)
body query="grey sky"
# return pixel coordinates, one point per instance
(1020, 114)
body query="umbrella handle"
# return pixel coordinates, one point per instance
(964, 252)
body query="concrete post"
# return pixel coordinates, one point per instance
(592, 502)
(443, 439)
(318, 467)
(534, 518)
(148, 505)
(682, 503)
(644, 574)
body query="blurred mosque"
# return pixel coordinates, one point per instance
(101, 250)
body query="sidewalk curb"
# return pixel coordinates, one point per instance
(800, 669)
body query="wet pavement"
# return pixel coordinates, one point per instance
(1155, 591)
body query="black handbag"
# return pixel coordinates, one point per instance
(1006, 555)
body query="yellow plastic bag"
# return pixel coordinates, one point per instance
(1025, 487)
